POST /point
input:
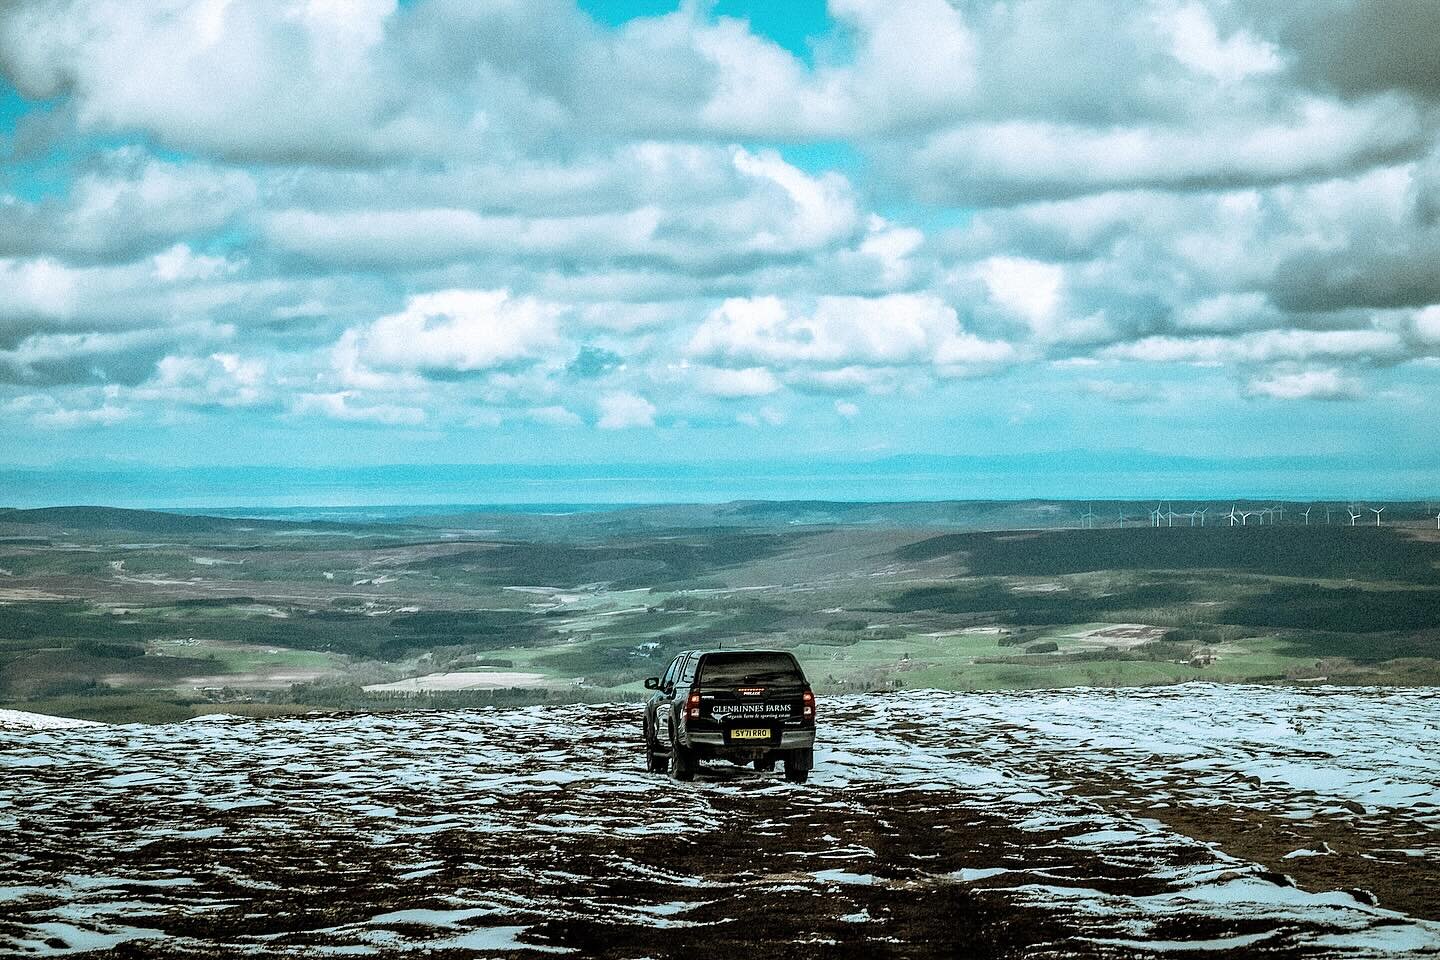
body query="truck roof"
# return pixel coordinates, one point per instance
(707, 650)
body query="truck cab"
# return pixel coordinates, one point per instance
(746, 706)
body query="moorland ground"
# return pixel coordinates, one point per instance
(1200, 820)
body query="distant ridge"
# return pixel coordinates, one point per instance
(140, 521)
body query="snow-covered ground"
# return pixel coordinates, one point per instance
(23, 720)
(1019, 824)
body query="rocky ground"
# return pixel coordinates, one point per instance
(1196, 820)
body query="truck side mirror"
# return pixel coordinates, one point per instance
(652, 683)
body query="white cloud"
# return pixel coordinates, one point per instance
(620, 410)
(101, 407)
(338, 406)
(41, 286)
(1196, 42)
(218, 76)
(818, 210)
(1016, 160)
(766, 416)
(555, 416)
(1029, 289)
(847, 409)
(1328, 384)
(892, 247)
(1263, 347)
(421, 236)
(916, 60)
(693, 207)
(129, 204)
(1427, 324)
(456, 330)
(1228, 312)
(746, 382)
(180, 264)
(839, 332)
(224, 379)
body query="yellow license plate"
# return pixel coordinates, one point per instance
(750, 733)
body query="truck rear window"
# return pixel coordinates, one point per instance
(742, 668)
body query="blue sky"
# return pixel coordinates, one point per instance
(320, 234)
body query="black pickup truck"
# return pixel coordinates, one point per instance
(746, 706)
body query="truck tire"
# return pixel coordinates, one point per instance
(655, 761)
(682, 760)
(797, 766)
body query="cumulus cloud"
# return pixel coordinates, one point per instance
(86, 408)
(1427, 324)
(129, 205)
(620, 410)
(1196, 42)
(839, 332)
(745, 382)
(716, 207)
(1328, 384)
(1018, 160)
(766, 416)
(456, 331)
(223, 379)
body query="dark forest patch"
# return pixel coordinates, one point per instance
(992, 597)
(1306, 606)
(1316, 552)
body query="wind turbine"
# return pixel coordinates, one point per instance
(1232, 517)
(1155, 514)
(1245, 516)
(1200, 514)
(1437, 521)
(1170, 515)
(1087, 519)
(1377, 514)
(1306, 514)
(1279, 510)
(1354, 514)
(1327, 514)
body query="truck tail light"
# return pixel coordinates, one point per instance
(692, 706)
(808, 704)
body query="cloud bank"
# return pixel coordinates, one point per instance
(935, 223)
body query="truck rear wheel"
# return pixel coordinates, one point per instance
(798, 764)
(682, 760)
(655, 762)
